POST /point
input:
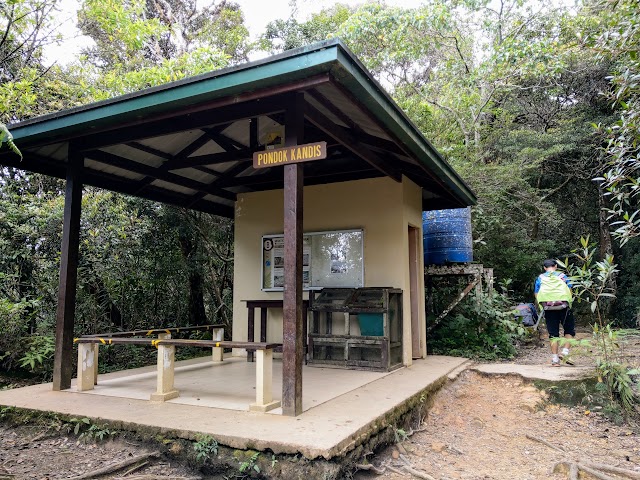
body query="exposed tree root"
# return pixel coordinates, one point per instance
(116, 467)
(609, 469)
(544, 442)
(371, 467)
(572, 470)
(156, 477)
(135, 467)
(418, 474)
(396, 470)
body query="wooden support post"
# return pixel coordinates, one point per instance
(292, 355)
(65, 313)
(96, 349)
(264, 382)
(250, 331)
(166, 372)
(217, 353)
(86, 370)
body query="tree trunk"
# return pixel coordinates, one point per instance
(606, 246)
(98, 290)
(189, 247)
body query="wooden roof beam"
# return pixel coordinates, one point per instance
(349, 141)
(147, 149)
(363, 136)
(131, 166)
(212, 159)
(116, 184)
(179, 123)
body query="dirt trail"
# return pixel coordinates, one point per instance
(478, 427)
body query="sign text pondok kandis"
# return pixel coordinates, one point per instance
(293, 154)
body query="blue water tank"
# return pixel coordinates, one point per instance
(447, 236)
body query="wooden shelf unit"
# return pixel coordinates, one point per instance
(357, 328)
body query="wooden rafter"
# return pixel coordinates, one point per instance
(212, 159)
(130, 165)
(364, 137)
(153, 151)
(400, 144)
(350, 142)
(180, 123)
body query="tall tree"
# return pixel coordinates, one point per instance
(619, 40)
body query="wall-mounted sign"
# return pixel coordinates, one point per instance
(329, 259)
(294, 154)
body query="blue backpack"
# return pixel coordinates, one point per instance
(527, 314)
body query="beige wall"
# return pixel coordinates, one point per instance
(382, 207)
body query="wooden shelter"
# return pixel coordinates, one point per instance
(190, 143)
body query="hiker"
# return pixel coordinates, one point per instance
(553, 293)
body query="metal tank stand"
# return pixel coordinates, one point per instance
(477, 275)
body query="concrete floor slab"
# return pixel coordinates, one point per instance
(351, 406)
(231, 384)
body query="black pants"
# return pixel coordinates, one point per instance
(555, 318)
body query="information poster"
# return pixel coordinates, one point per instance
(329, 259)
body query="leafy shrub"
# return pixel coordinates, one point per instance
(39, 356)
(481, 328)
(205, 446)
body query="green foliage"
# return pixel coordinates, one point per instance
(619, 39)
(249, 463)
(400, 435)
(627, 306)
(39, 356)
(205, 446)
(83, 428)
(281, 35)
(482, 328)
(592, 284)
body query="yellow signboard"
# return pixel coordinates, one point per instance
(293, 154)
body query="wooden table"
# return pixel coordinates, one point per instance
(264, 306)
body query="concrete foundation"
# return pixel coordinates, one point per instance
(343, 409)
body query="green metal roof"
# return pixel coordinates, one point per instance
(342, 96)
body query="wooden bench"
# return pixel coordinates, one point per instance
(87, 364)
(217, 333)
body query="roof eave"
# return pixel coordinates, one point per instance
(376, 99)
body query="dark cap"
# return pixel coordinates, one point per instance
(549, 263)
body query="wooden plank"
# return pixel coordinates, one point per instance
(154, 331)
(184, 342)
(244, 155)
(153, 173)
(65, 313)
(292, 305)
(351, 142)
(228, 109)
